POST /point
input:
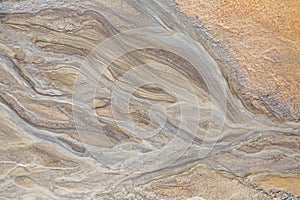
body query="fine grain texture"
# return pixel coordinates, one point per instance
(263, 38)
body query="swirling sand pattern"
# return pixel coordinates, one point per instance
(75, 126)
